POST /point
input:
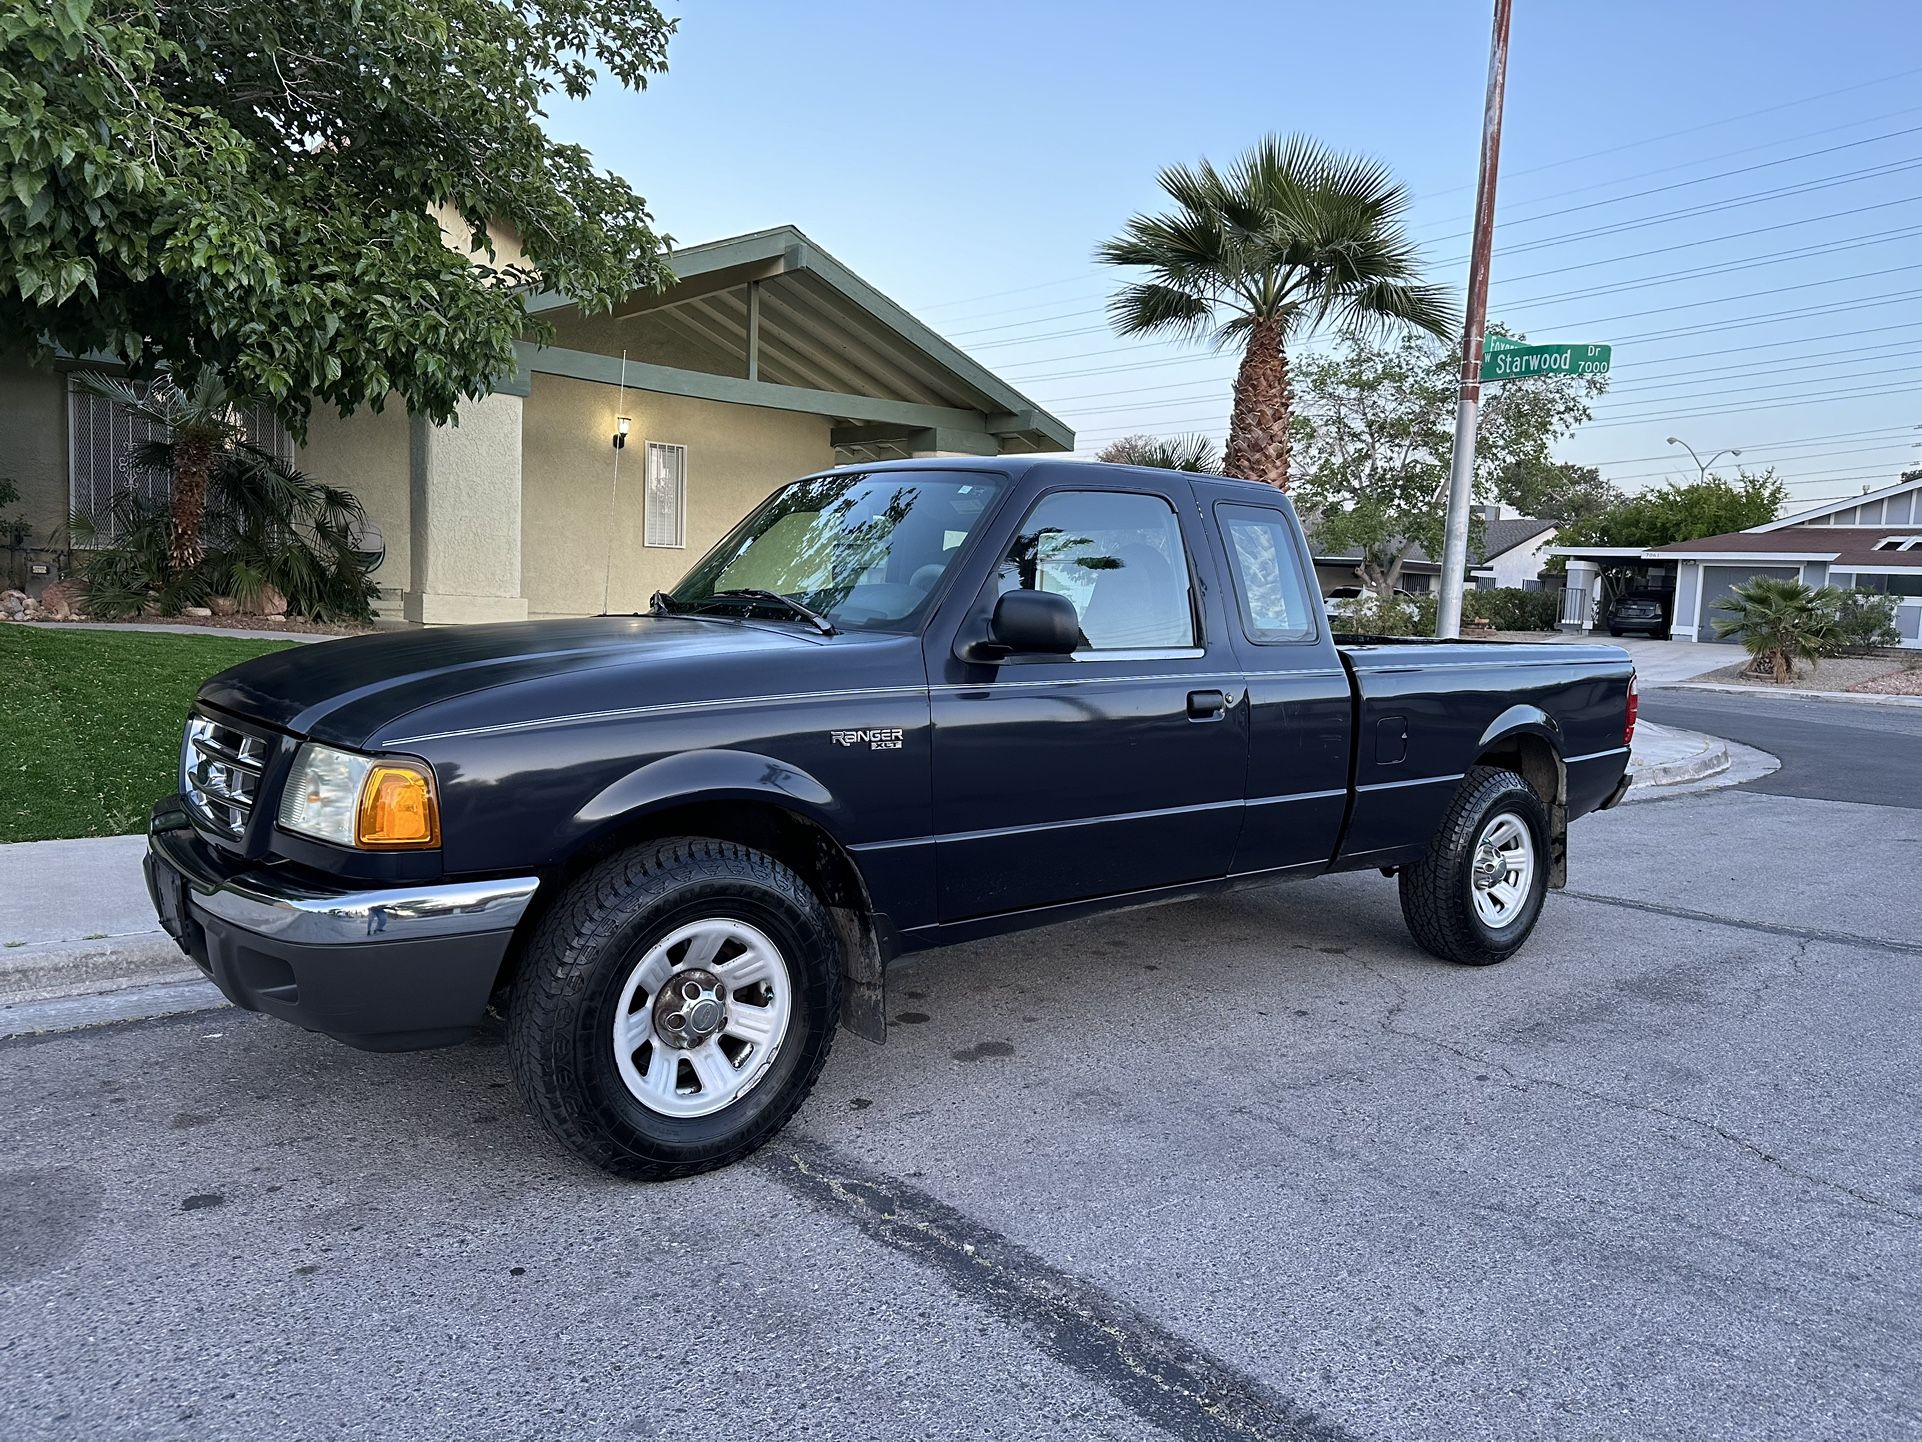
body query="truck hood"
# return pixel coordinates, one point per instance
(352, 691)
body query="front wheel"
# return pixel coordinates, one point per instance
(675, 1007)
(1475, 897)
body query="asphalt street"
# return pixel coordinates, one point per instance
(1252, 1167)
(1832, 750)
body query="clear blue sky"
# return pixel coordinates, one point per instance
(966, 158)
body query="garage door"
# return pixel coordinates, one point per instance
(1718, 581)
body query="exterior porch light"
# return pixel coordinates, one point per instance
(621, 427)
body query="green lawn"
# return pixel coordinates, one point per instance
(90, 724)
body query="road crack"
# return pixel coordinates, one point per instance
(1396, 1008)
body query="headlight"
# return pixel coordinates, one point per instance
(378, 804)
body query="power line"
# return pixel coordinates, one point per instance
(1686, 212)
(1699, 180)
(1603, 320)
(1666, 278)
(1711, 159)
(1667, 388)
(1555, 270)
(1538, 169)
(1631, 365)
(1689, 212)
(1776, 403)
(1697, 129)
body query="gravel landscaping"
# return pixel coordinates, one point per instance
(1838, 673)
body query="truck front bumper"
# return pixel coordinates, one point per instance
(386, 969)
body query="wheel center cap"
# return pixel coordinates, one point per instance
(1489, 867)
(690, 1009)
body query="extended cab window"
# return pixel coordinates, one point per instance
(1118, 556)
(1268, 583)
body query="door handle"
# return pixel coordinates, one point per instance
(1207, 705)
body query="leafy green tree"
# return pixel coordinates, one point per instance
(1556, 491)
(1374, 432)
(255, 191)
(1168, 453)
(1685, 512)
(1779, 622)
(1290, 238)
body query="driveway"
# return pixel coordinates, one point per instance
(1663, 663)
(1250, 1168)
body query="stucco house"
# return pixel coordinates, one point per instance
(1869, 542)
(1512, 552)
(767, 359)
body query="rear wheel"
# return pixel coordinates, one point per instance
(674, 1009)
(1475, 897)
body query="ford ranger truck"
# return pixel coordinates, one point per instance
(899, 706)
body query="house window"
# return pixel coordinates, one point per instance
(1899, 543)
(665, 522)
(102, 438)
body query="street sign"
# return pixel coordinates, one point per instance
(1507, 360)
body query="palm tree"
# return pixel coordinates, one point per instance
(202, 423)
(1171, 453)
(1779, 622)
(1289, 238)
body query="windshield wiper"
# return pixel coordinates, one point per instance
(813, 618)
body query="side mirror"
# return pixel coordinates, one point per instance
(1034, 623)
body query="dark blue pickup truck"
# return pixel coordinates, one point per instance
(901, 705)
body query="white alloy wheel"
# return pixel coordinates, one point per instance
(701, 1017)
(1502, 870)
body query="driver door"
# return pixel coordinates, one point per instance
(1119, 768)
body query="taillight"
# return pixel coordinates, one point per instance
(1634, 705)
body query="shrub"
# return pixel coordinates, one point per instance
(269, 527)
(1386, 616)
(1510, 608)
(1865, 620)
(1779, 622)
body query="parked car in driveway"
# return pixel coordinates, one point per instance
(1643, 612)
(900, 705)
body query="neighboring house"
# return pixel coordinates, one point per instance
(766, 360)
(1871, 542)
(1512, 553)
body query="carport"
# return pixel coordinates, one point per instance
(1596, 575)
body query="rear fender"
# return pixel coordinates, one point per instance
(1526, 739)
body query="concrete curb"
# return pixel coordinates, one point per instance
(1865, 698)
(50, 970)
(138, 1003)
(1711, 760)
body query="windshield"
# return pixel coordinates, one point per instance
(861, 548)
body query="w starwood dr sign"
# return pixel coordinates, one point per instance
(1507, 360)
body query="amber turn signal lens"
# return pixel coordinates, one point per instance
(397, 808)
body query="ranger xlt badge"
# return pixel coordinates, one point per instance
(879, 738)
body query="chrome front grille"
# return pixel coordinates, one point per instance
(220, 768)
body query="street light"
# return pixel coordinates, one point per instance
(1700, 464)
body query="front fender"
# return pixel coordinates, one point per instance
(711, 776)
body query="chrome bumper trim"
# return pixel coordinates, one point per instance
(269, 907)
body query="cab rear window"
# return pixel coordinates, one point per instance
(1268, 582)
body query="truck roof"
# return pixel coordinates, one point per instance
(1021, 465)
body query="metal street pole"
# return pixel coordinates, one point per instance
(1461, 465)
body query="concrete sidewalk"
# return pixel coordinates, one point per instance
(79, 944)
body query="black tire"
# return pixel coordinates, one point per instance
(1437, 892)
(1616, 632)
(562, 1011)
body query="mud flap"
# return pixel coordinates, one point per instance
(1558, 844)
(864, 994)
